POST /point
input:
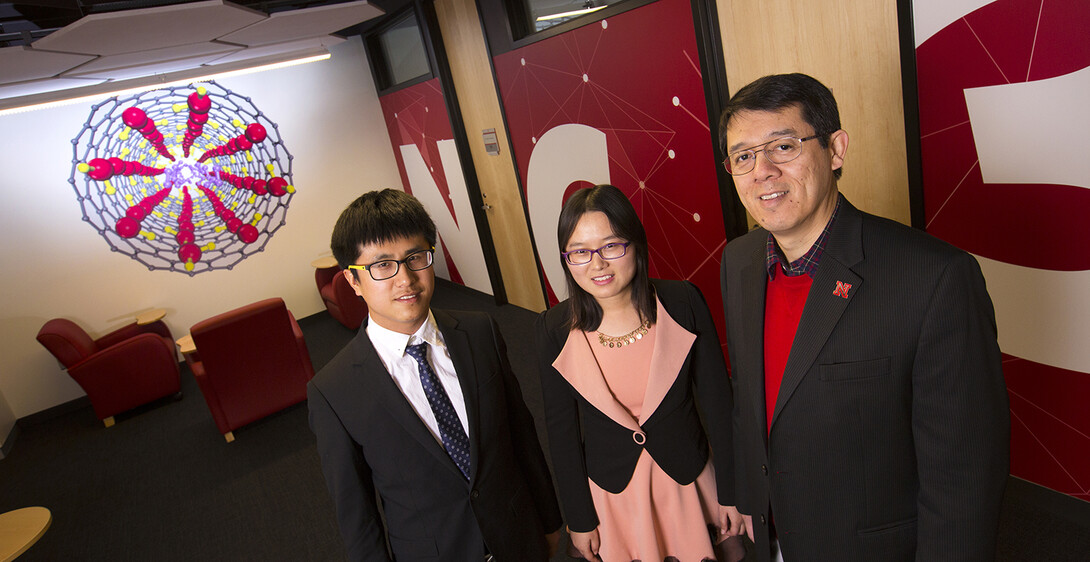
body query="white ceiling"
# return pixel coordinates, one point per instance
(151, 43)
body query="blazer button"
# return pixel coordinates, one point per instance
(639, 437)
(762, 519)
(764, 469)
(475, 494)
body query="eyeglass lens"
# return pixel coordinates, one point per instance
(386, 269)
(779, 151)
(608, 252)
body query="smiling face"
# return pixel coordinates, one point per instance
(793, 200)
(400, 303)
(605, 280)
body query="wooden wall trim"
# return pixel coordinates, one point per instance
(473, 79)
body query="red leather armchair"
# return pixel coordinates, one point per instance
(340, 300)
(124, 369)
(249, 363)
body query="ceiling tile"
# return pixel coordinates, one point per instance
(146, 63)
(150, 28)
(303, 46)
(308, 22)
(19, 64)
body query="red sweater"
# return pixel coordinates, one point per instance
(785, 298)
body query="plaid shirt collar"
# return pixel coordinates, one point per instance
(808, 263)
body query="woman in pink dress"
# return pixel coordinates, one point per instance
(623, 362)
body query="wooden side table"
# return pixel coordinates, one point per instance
(20, 529)
(324, 262)
(186, 345)
(150, 316)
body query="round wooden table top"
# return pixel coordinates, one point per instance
(20, 529)
(150, 316)
(324, 262)
(185, 344)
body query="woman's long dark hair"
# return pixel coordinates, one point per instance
(586, 313)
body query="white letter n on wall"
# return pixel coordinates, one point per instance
(459, 232)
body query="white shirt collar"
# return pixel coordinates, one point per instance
(395, 342)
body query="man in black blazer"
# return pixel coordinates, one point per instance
(421, 413)
(870, 411)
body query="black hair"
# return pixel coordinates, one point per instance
(781, 91)
(586, 313)
(376, 217)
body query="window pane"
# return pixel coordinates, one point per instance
(403, 51)
(547, 13)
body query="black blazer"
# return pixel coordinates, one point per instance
(890, 434)
(585, 442)
(370, 441)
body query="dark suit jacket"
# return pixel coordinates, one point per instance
(890, 435)
(585, 441)
(370, 441)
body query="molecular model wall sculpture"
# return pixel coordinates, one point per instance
(188, 179)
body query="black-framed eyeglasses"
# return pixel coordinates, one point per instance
(778, 151)
(610, 251)
(385, 269)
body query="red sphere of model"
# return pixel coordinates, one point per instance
(126, 227)
(100, 169)
(227, 215)
(185, 237)
(189, 252)
(247, 233)
(259, 187)
(234, 224)
(134, 117)
(136, 213)
(198, 103)
(277, 186)
(256, 132)
(198, 118)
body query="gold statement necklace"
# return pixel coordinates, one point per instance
(629, 338)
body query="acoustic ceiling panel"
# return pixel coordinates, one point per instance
(150, 28)
(155, 61)
(19, 64)
(302, 46)
(308, 22)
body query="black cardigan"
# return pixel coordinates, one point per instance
(584, 442)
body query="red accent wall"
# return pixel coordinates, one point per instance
(636, 78)
(1036, 228)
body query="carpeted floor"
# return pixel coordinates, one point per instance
(163, 485)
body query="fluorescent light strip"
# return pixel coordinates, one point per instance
(572, 13)
(165, 83)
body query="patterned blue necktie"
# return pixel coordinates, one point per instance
(450, 428)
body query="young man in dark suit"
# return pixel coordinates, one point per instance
(422, 412)
(870, 411)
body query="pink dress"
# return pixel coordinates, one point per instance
(654, 518)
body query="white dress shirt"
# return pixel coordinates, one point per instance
(405, 371)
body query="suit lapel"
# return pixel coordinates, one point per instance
(578, 365)
(672, 345)
(751, 345)
(375, 379)
(457, 342)
(832, 291)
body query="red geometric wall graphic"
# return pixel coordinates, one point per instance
(999, 92)
(621, 101)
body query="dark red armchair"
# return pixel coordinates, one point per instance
(340, 300)
(249, 363)
(124, 369)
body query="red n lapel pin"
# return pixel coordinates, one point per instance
(842, 289)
